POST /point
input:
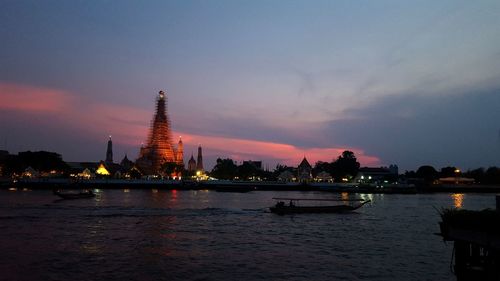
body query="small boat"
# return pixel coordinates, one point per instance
(292, 208)
(83, 194)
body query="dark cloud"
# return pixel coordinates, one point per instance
(412, 129)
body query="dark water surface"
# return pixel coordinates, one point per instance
(206, 235)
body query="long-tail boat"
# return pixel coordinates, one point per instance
(293, 206)
(83, 194)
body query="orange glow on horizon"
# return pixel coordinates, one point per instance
(241, 149)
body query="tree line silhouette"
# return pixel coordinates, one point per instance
(429, 174)
(344, 166)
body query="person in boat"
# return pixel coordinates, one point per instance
(291, 203)
(280, 204)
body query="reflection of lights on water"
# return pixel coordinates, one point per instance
(126, 190)
(25, 189)
(12, 189)
(99, 193)
(154, 190)
(173, 196)
(91, 248)
(345, 196)
(458, 199)
(366, 196)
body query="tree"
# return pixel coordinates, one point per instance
(13, 165)
(281, 168)
(43, 161)
(448, 172)
(321, 166)
(346, 165)
(171, 168)
(476, 174)
(492, 175)
(410, 174)
(224, 169)
(247, 170)
(427, 173)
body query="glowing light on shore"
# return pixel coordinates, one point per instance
(102, 170)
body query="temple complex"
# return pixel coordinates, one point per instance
(304, 171)
(159, 148)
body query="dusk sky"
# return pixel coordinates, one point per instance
(397, 82)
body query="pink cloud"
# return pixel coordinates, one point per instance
(241, 149)
(129, 126)
(95, 119)
(33, 99)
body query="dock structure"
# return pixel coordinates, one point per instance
(476, 238)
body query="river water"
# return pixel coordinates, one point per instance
(208, 235)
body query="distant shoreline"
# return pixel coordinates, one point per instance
(237, 186)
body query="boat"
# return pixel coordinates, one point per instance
(293, 207)
(82, 194)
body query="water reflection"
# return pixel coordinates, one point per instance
(366, 196)
(142, 233)
(173, 197)
(92, 238)
(98, 194)
(458, 199)
(344, 196)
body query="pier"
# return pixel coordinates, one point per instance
(476, 238)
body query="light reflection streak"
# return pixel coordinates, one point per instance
(458, 200)
(171, 198)
(344, 196)
(365, 196)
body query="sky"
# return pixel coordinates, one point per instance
(397, 82)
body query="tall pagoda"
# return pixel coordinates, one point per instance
(159, 148)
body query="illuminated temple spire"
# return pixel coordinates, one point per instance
(109, 151)
(192, 164)
(199, 162)
(179, 156)
(159, 148)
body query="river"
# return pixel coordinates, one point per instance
(207, 235)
